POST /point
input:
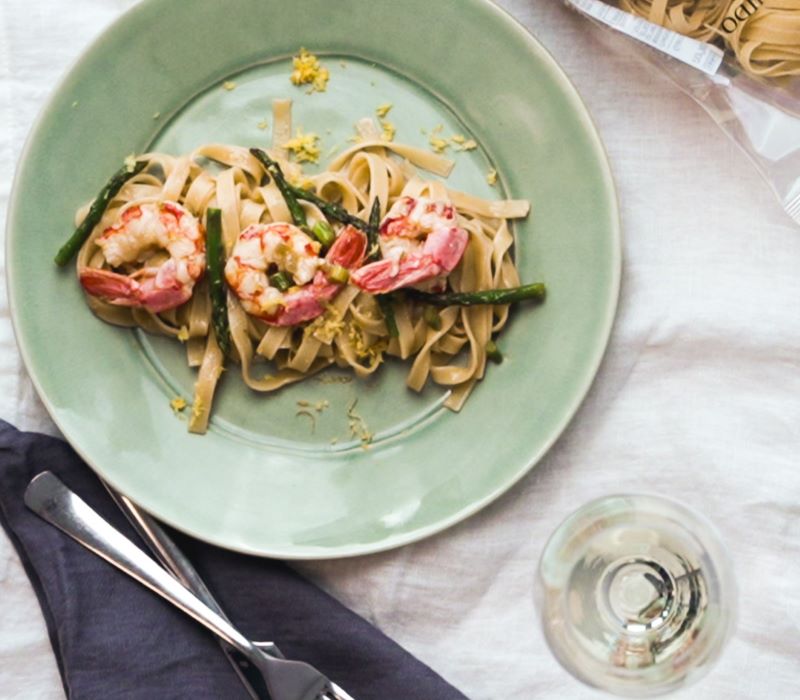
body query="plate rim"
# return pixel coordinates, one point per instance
(394, 541)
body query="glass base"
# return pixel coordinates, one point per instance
(636, 595)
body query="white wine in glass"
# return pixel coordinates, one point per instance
(636, 595)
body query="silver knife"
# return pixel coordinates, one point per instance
(166, 551)
(168, 554)
(51, 500)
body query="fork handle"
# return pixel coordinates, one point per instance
(47, 496)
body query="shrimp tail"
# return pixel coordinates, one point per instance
(349, 249)
(110, 286)
(388, 275)
(156, 293)
(442, 251)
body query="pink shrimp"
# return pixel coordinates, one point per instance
(142, 229)
(407, 260)
(264, 247)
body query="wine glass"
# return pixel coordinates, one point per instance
(636, 595)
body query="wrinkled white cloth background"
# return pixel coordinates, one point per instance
(698, 397)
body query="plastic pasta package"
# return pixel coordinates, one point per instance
(739, 59)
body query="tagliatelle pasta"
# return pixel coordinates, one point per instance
(763, 34)
(699, 19)
(767, 44)
(353, 331)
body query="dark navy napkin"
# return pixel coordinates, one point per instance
(115, 639)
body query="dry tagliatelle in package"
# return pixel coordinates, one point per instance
(739, 59)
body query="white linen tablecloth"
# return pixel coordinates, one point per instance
(698, 397)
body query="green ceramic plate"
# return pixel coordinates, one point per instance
(261, 481)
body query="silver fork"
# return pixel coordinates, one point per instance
(164, 549)
(55, 503)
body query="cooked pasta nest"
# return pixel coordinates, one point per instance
(352, 331)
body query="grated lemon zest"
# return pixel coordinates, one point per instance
(389, 130)
(309, 71)
(362, 349)
(304, 147)
(183, 334)
(326, 327)
(384, 109)
(198, 409)
(491, 177)
(301, 181)
(130, 162)
(177, 404)
(357, 424)
(263, 124)
(229, 85)
(439, 145)
(308, 414)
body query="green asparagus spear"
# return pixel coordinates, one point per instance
(77, 239)
(216, 285)
(297, 211)
(374, 253)
(493, 352)
(338, 274)
(432, 318)
(385, 305)
(373, 232)
(331, 210)
(534, 291)
(281, 281)
(324, 233)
